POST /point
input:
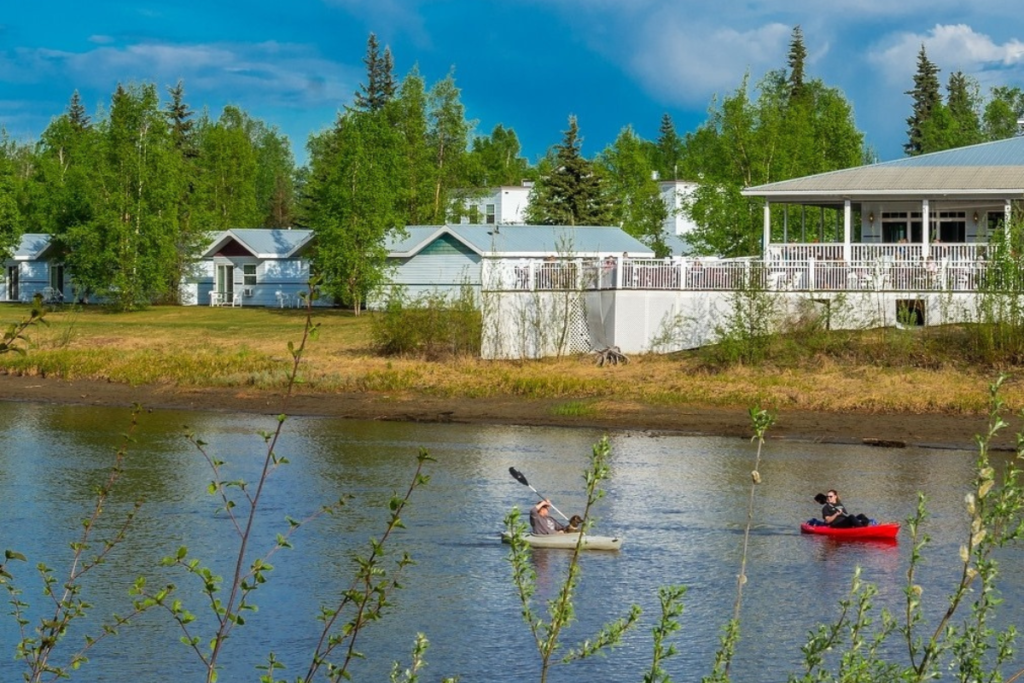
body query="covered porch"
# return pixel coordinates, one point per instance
(943, 207)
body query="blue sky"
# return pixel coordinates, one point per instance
(527, 64)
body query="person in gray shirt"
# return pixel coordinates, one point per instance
(541, 521)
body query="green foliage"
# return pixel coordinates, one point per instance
(574, 409)
(745, 335)
(355, 194)
(495, 161)
(667, 150)
(434, 325)
(1001, 113)
(637, 206)
(927, 99)
(569, 192)
(15, 335)
(11, 188)
(998, 333)
(795, 127)
(561, 613)
(447, 137)
(379, 88)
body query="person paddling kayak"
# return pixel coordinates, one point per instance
(834, 512)
(541, 521)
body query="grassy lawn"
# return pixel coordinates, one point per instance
(248, 347)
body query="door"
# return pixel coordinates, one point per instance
(12, 283)
(226, 283)
(57, 280)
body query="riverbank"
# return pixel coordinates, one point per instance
(216, 359)
(881, 429)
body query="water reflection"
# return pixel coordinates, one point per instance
(679, 502)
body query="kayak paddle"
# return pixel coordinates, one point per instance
(522, 480)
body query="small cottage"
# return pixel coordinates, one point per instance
(444, 259)
(254, 267)
(33, 268)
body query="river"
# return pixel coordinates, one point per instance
(679, 502)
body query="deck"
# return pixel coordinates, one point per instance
(806, 268)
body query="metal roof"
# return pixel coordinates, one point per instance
(523, 240)
(31, 246)
(263, 243)
(991, 169)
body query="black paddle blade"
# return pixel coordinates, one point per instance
(518, 476)
(820, 498)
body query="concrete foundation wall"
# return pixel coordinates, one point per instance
(545, 324)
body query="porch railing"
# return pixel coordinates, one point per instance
(871, 252)
(885, 273)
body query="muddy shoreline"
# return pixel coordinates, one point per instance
(880, 429)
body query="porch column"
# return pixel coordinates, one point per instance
(926, 229)
(1006, 218)
(767, 229)
(846, 230)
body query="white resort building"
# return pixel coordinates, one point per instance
(905, 242)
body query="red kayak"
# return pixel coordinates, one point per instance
(887, 530)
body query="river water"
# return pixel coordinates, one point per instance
(679, 502)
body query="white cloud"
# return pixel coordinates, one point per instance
(270, 72)
(687, 62)
(952, 48)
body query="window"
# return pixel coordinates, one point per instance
(489, 214)
(474, 215)
(249, 274)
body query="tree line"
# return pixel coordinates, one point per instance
(131, 194)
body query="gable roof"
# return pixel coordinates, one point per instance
(991, 170)
(32, 247)
(521, 241)
(263, 243)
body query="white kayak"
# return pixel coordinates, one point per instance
(569, 541)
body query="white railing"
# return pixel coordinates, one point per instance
(803, 251)
(884, 273)
(870, 252)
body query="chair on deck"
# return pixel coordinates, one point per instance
(282, 298)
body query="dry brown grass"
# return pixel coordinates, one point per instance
(200, 346)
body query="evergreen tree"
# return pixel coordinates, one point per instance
(357, 189)
(179, 115)
(926, 97)
(963, 101)
(77, 116)
(638, 208)
(668, 150)
(571, 192)
(379, 88)
(797, 57)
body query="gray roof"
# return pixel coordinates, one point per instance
(523, 240)
(986, 171)
(263, 243)
(31, 246)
